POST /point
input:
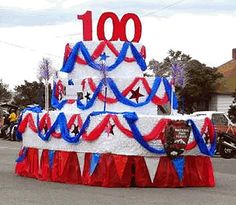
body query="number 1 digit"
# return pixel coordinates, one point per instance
(87, 25)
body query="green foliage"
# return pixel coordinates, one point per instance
(232, 109)
(200, 84)
(5, 94)
(29, 93)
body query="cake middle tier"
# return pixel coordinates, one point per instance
(140, 94)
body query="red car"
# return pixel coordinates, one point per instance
(226, 132)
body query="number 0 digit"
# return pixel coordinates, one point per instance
(137, 27)
(101, 23)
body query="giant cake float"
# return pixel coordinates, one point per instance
(105, 129)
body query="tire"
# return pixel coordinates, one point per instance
(226, 152)
(13, 133)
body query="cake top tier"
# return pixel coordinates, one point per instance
(104, 54)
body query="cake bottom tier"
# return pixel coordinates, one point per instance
(113, 170)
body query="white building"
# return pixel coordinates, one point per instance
(223, 98)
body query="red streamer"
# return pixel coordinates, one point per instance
(99, 50)
(154, 134)
(156, 100)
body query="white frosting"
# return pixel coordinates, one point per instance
(122, 83)
(118, 143)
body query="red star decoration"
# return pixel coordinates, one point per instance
(136, 94)
(109, 129)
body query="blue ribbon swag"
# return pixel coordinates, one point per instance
(69, 64)
(131, 118)
(56, 104)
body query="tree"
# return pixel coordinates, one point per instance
(164, 68)
(153, 66)
(232, 109)
(5, 94)
(200, 83)
(29, 93)
(199, 80)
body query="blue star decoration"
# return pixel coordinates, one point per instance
(103, 57)
(136, 94)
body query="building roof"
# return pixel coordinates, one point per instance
(227, 84)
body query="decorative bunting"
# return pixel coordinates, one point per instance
(120, 163)
(80, 157)
(179, 166)
(68, 66)
(152, 165)
(121, 96)
(64, 126)
(40, 151)
(51, 157)
(94, 162)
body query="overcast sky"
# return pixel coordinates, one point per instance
(32, 29)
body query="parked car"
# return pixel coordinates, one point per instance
(225, 130)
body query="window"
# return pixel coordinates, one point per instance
(219, 119)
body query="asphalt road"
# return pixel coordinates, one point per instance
(20, 190)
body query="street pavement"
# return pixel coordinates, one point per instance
(24, 191)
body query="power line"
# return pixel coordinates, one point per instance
(26, 48)
(163, 8)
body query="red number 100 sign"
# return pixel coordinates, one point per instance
(119, 26)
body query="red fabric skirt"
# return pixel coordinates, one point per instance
(115, 170)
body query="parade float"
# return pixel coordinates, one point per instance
(105, 130)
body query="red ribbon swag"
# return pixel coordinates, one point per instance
(156, 100)
(99, 50)
(156, 133)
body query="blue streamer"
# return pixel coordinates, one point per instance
(69, 64)
(56, 104)
(179, 166)
(128, 102)
(51, 158)
(200, 141)
(90, 103)
(168, 89)
(138, 58)
(35, 109)
(131, 118)
(94, 162)
(23, 155)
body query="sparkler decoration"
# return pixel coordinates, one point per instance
(45, 72)
(178, 78)
(102, 60)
